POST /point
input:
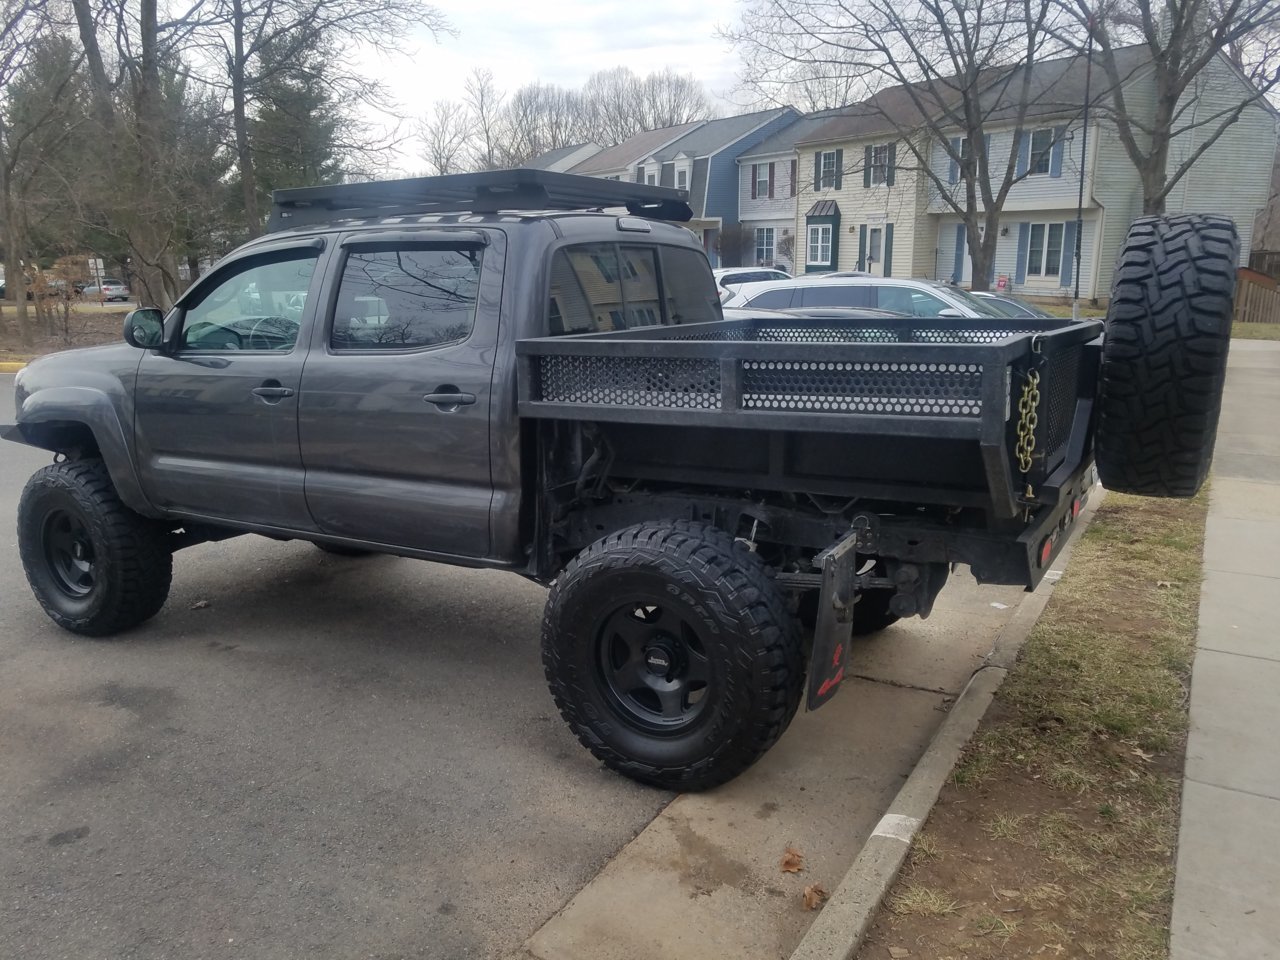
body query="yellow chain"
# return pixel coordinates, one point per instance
(1027, 420)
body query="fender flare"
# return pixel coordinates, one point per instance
(67, 419)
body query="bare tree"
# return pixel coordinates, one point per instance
(445, 133)
(936, 73)
(618, 104)
(484, 104)
(1185, 39)
(242, 32)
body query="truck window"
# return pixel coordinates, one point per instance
(257, 307)
(691, 292)
(406, 298)
(586, 290)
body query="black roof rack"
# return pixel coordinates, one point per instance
(488, 192)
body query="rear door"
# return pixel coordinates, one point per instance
(394, 414)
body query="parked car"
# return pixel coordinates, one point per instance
(1009, 306)
(814, 313)
(916, 298)
(107, 290)
(728, 279)
(715, 506)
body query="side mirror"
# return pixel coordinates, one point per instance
(144, 328)
(951, 313)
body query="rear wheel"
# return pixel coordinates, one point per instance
(670, 652)
(1164, 357)
(96, 567)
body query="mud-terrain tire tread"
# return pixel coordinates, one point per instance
(1164, 361)
(732, 581)
(136, 561)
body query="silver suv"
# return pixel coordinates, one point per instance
(917, 298)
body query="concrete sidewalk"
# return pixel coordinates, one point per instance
(1228, 873)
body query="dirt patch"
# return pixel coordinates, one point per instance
(1056, 834)
(87, 325)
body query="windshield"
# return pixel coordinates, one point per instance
(1001, 307)
(984, 308)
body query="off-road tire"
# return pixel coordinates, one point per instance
(338, 550)
(131, 554)
(746, 631)
(1164, 357)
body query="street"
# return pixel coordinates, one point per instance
(306, 755)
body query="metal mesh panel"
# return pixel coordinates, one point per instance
(824, 334)
(631, 381)
(924, 389)
(1059, 405)
(735, 332)
(954, 335)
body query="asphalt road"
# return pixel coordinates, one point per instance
(334, 758)
(310, 756)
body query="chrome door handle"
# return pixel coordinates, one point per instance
(272, 393)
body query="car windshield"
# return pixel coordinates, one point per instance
(984, 308)
(1002, 308)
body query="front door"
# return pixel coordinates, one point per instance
(394, 418)
(216, 415)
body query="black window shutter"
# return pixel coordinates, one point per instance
(770, 181)
(753, 181)
(888, 176)
(839, 167)
(795, 172)
(817, 171)
(888, 250)
(866, 166)
(862, 247)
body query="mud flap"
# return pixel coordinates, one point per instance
(834, 629)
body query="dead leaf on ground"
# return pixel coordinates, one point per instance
(199, 604)
(792, 860)
(814, 896)
(1008, 894)
(899, 952)
(1143, 755)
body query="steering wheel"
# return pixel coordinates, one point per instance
(253, 333)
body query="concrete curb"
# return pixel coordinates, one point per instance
(12, 366)
(838, 931)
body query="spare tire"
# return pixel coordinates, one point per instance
(1164, 355)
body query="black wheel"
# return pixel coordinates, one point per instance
(340, 551)
(96, 567)
(670, 652)
(1164, 358)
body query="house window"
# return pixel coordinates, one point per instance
(793, 178)
(762, 179)
(819, 245)
(682, 179)
(873, 249)
(651, 179)
(1041, 150)
(828, 178)
(880, 163)
(1044, 252)
(764, 246)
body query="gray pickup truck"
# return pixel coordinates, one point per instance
(531, 371)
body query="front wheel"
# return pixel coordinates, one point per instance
(96, 567)
(670, 652)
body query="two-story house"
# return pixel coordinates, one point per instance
(619, 162)
(768, 185)
(862, 195)
(705, 162)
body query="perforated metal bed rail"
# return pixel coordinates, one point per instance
(919, 377)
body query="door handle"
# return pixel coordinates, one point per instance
(450, 397)
(272, 393)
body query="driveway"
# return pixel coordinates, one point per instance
(305, 755)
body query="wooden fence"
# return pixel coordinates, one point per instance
(1257, 298)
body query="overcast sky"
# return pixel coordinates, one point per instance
(561, 42)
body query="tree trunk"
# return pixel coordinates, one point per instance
(15, 280)
(147, 242)
(240, 120)
(981, 256)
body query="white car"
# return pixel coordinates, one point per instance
(108, 290)
(914, 298)
(728, 279)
